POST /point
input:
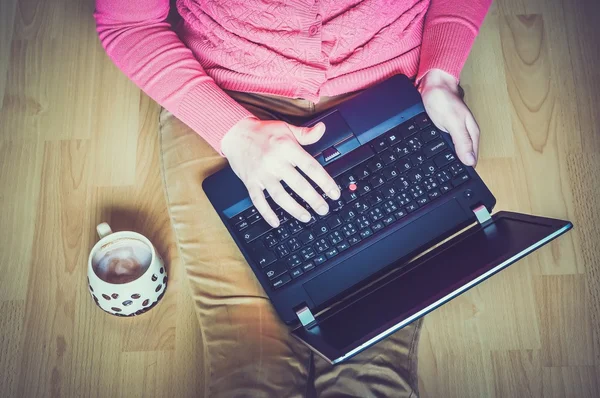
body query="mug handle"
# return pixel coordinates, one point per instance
(103, 230)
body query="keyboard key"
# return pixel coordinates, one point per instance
(393, 137)
(445, 187)
(403, 198)
(254, 218)
(360, 206)
(422, 120)
(362, 172)
(415, 175)
(320, 228)
(430, 183)
(428, 168)
(444, 159)
(343, 246)
(349, 196)
(376, 181)
(331, 253)
(335, 237)
(347, 179)
(296, 272)
(334, 222)
(282, 233)
(429, 134)
(443, 176)
(241, 225)
(237, 219)
(417, 191)
(400, 214)
(457, 168)
(336, 205)
(377, 226)
(414, 144)
(412, 206)
(295, 226)
(460, 179)
(307, 267)
(390, 207)
(249, 212)
(417, 158)
(363, 222)
(389, 191)
(270, 240)
(402, 150)
(321, 245)
(390, 173)
(349, 229)
(282, 280)
(389, 157)
(434, 147)
(374, 165)
(380, 144)
(404, 165)
(307, 253)
(376, 214)
(363, 189)
(402, 183)
(320, 259)
(282, 250)
(294, 260)
(434, 194)
(306, 237)
(255, 230)
(423, 200)
(275, 270)
(353, 240)
(374, 198)
(365, 233)
(408, 129)
(389, 219)
(294, 244)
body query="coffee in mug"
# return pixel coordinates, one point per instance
(126, 276)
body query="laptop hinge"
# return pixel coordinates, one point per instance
(306, 317)
(483, 215)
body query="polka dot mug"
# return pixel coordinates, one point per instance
(126, 275)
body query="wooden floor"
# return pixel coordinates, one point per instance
(78, 145)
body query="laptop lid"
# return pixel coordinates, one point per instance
(427, 283)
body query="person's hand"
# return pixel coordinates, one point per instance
(264, 153)
(447, 110)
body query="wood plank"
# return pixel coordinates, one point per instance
(536, 124)
(7, 19)
(11, 325)
(20, 174)
(575, 381)
(565, 324)
(60, 252)
(146, 374)
(517, 373)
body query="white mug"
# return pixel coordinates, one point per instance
(127, 294)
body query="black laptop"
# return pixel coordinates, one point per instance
(412, 230)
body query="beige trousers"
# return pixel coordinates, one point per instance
(248, 351)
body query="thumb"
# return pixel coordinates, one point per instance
(308, 135)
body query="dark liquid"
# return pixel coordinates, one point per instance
(122, 261)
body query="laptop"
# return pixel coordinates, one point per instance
(412, 230)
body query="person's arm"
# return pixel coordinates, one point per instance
(448, 35)
(140, 41)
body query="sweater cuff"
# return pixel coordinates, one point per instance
(446, 46)
(210, 112)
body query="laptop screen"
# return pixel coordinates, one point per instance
(446, 272)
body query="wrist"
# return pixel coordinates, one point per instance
(437, 78)
(231, 137)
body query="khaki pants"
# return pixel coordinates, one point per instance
(248, 351)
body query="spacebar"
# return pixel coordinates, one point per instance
(352, 159)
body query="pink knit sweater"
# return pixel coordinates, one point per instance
(292, 48)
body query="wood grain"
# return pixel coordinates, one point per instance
(79, 145)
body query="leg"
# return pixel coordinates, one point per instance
(388, 369)
(247, 350)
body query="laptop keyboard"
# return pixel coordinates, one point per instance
(397, 173)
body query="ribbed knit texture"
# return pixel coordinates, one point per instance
(293, 48)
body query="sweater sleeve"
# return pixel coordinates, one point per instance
(140, 41)
(448, 35)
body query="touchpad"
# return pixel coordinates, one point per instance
(423, 231)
